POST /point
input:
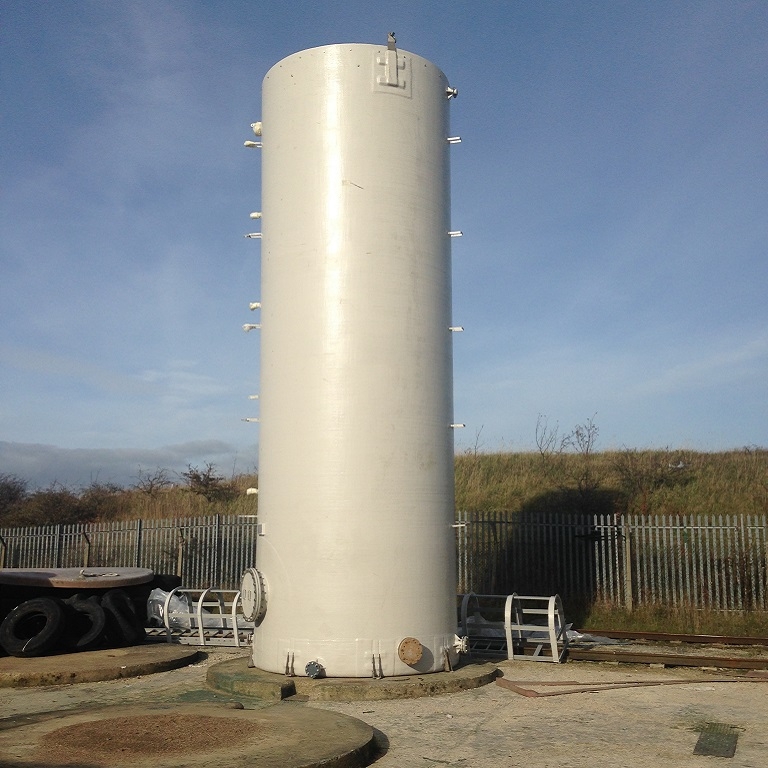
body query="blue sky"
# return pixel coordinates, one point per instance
(611, 184)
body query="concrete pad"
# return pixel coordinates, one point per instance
(487, 727)
(236, 677)
(170, 736)
(92, 666)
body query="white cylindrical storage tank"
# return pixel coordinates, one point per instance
(356, 504)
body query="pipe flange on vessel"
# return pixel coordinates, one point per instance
(314, 669)
(253, 595)
(410, 651)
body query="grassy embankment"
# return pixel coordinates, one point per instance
(636, 482)
(644, 482)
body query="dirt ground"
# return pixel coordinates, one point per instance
(642, 727)
(636, 727)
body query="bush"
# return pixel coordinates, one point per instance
(104, 501)
(13, 492)
(55, 505)
(208, 484)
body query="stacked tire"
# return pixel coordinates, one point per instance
(46, 625)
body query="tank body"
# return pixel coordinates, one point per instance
(356, 499)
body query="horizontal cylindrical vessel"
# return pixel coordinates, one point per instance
(356, 447)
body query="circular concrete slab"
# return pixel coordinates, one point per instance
(281, 736)
(93, 666)
(234, 676)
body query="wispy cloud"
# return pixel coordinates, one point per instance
(56, 366)
(722, 362)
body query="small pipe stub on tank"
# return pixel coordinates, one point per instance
(314, 669)
(410, 651)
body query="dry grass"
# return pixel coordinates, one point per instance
(642, 482)
(660, 618)
(181, 502)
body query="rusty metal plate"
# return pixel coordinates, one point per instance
(410, 651)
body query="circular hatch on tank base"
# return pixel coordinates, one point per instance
(410, 651)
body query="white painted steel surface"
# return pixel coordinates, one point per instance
(356, 446)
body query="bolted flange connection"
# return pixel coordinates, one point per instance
(314, 669)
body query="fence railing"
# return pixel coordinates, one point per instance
(717, 562)
(203, 551)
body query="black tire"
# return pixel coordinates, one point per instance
(124, 627)
(78, 596)
(86, 624)
(33, 628)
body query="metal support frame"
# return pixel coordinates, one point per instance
(216, 618)
(523, 631)
(530, 622)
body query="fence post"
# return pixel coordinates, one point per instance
(3, 549)
(628, 568)
(460, 526)
(86, 549)
(180, 553)
(216, 573)
(137, 556)
(57, 548)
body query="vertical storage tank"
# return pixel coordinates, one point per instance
(356, 504)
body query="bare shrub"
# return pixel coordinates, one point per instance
(569, 458)
(207, 483)
(152, 483)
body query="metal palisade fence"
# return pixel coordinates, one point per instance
(719, 562)
(716, 562)
(211, 551)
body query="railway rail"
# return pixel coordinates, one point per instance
(663, 648)
(669, 637)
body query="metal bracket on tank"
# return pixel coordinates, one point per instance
(396, 70)
(377, 674)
